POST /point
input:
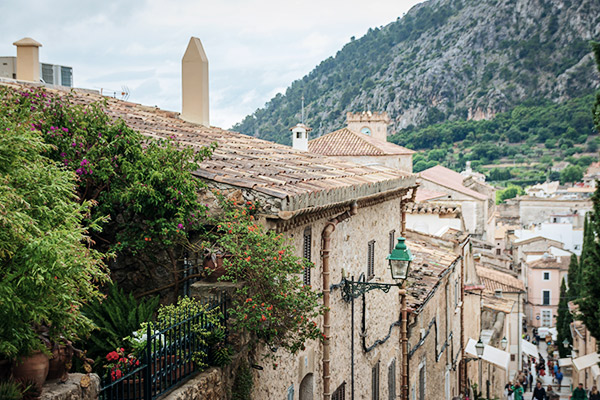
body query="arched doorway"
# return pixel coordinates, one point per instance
(306, 387)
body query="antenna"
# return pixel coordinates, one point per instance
(302, 120)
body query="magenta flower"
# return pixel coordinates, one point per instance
(180, 226)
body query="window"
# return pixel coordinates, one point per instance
(48, 73)
(545, 297)
(371, 260)
(298, 135)
(66, 76)
(546, 275)
(456, 293)
(392, 380)
(340, 392)
(290, 393)
(375, 382)
(498, 252)
(392, 239)
(546, 317)
(307, 253)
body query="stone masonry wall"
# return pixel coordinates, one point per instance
(302, 373)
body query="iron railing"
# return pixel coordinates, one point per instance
(172, 354)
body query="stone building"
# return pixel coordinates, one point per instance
(584, 361)
(506, 290)
(345, 218)
(364, 141)
(477, 201)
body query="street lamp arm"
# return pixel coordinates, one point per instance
(353, 289)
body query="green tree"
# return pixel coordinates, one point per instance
(589, 302)
(564, 319)
(589, 295)
(510, 192)
(573, 277)
(47, 267)
(572, 173)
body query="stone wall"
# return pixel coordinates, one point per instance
(208, 385)
(302, 373)
(434, 340)
(72, 389)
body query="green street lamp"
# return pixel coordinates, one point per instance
(479, 347)
(399, 260)
(503, 343)
(565, 343)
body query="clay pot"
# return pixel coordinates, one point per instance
(214, 263)
(32, 368)
(60, 363)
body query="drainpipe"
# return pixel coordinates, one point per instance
(404, 342)
(325, 249)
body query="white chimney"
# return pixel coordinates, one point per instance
(194, 84)
(300, 137)
(28, 60)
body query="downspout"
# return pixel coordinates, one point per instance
(325, 249)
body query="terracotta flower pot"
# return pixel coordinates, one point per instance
(60, 363)
(34, 368)
(214, 263)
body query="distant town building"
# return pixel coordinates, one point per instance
(544, 277)
(364, 141)
(477, 201)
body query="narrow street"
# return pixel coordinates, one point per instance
(565, 389)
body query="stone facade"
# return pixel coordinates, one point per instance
(208, 385)
(302, 373)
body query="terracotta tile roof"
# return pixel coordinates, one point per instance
(424, 195)
(538, 239)
(429, 266)
(498, 303)
(494, 280)
(345, 142)
(551, 262)
(298, 179)
(432, 208)
(450, 179)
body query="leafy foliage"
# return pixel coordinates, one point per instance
(564, 319)
(510, 192)
(242, 385)
(273, 305)
(47, 267)
(116, 317)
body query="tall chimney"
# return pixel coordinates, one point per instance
(28, 60)
(194, 83)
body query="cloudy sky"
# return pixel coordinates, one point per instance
(256, 48)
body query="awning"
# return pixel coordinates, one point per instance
(490, 354)
(565, 362)
(529, 348)
(583, 362)
(595, 371)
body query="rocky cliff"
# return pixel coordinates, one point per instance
(446, 60)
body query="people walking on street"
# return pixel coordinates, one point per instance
(525, 381)
(594, 394)
(579, 393)
(559, 377)
(550, 394)
(539, 393)
(517, 391)
(508, 391)
(530, 379)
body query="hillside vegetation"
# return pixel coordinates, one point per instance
(519, 146)
(447, 60)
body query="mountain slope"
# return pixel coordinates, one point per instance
(446, 60)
